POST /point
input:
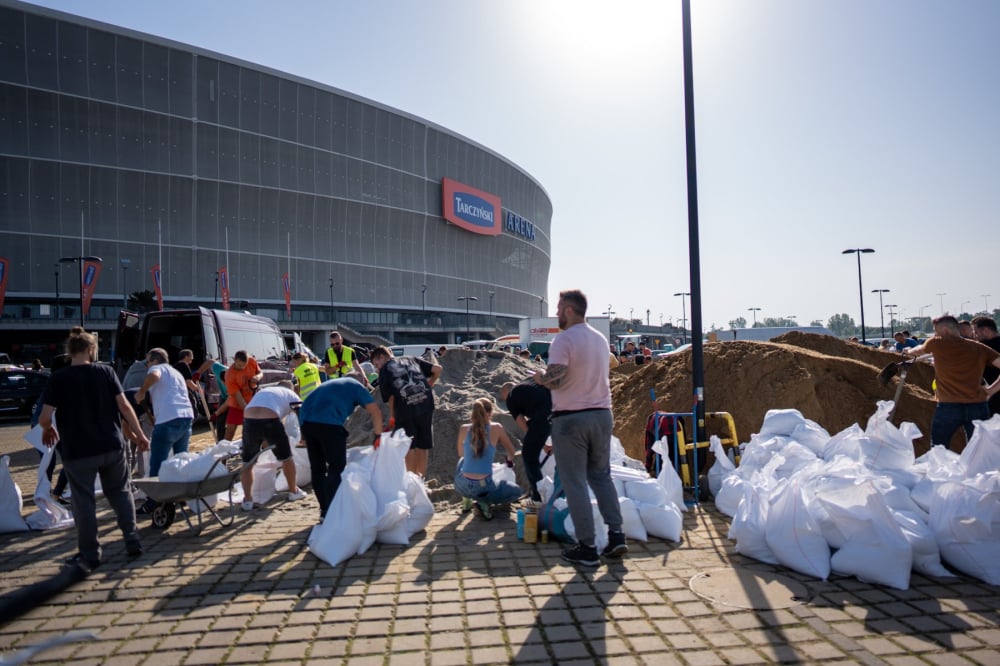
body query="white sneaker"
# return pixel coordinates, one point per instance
(247, 505)
(297, 495)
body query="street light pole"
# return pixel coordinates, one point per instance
(892, 314)
(468, 326)
(541, 306)
(941, 296)
(986, 303)
(333, 315)
(81, 261)
(423, 298)
(125, 264)
(683, 295)
(881, 309)
(754, 311)
(861, 292)
(647, 316)
(492, 294)
(215, 297)
(57, 273)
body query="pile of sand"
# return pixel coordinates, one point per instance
(830, 381)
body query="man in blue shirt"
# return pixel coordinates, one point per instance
(322, 416)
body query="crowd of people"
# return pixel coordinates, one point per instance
(563, 409)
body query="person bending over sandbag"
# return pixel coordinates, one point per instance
(262, 422)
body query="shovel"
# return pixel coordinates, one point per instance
(900, 368)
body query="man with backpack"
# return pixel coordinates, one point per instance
(405, 384)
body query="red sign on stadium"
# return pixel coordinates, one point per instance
(469, 208)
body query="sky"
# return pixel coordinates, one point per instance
(820, 126)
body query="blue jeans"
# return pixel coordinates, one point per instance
(484, 490)
(168, 436)
(948, 416)
(582, 444)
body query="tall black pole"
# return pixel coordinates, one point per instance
(697, 353)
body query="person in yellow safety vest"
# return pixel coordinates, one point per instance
(306, 374)
(341, 361)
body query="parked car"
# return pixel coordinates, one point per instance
(20, 390)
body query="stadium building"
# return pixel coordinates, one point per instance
(235, 183)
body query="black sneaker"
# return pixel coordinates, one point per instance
(616, 547)
(581, 554)
(133, 548)
(85, 564)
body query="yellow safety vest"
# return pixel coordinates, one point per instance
(346, 365)
(308, 376)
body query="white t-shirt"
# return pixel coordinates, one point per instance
(584, 351)
(169, 394)
(276, 398)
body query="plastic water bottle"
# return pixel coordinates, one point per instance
(520, 523)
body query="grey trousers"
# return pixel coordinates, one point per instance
(116, 484)
(581, 442)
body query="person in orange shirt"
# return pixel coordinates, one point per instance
(242, 378)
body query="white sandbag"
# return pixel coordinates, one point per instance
(926, 554)
(760, 451)
(292, 429)
(303, 471)
(888, 447)
(619, 486)
(265, 475)
(982, 454)
(721, 468)
(869, 542)
(811, 435)
(938, 465)
(750, 523)
(388, 482)
(965, 519)
(503, 473)
(664, 521)
(792, 533)
(624, 473)
(780, 422)
(545, 487)
(600, 528)
(10, 501)
(730, 494)
(847, 443)
(50, 514)
(668, 480)
(340, 534)
(632, 524)
(421, 507)
(548, 460)
(620, 459)
(647, 491)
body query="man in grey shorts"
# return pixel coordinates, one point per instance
(577, 375)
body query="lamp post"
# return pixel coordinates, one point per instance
(861, 292)
(647, 316)
(423, 297)
(468, 327)
(333, 316)
(56, 273)
(754, 311)
(81, 261)
(215, 297)
(986, 303)
(683, 295)
(892, 314)
(630, 311)
(541, 306)
(881, 308)
(961, 308)
(661, 320)
(941, 296)
(492, 294)
(125, 263)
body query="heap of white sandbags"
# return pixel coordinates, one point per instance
(649, 507)
(378, 500)
(857, 503)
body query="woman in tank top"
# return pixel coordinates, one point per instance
(477, 445)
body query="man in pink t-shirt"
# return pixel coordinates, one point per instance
(577, 375)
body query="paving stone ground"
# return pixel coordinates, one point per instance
(466, 591)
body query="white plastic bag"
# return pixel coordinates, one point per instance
(292, 429)
(600, 528)
(50, 514)
(303, 471)
(888, 447)
(632, 524)
(647, 491)
(340, 534)
(982, 454)
(10, 501)
(421, 507)
(792, 533)
(388, 482)
(721, 468)
(664, 521)
(750, 523)
(265, 475)
(668, 480)
(965, 519)
(780, 422)
(503, 473)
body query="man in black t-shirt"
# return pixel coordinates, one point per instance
(986, 332)
(531, 406)
(405, 384)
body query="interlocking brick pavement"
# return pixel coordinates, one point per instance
(466, 591)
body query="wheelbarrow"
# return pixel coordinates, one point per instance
(173, 495)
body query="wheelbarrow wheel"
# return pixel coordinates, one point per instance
(163, 515)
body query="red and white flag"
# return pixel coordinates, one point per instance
(224, 286)
(155, 270)
(286, 284)
(91, 271)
